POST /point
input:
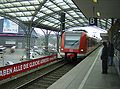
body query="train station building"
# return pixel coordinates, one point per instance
(58, 16)
(13, 35)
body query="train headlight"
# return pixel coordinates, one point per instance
(61, 49)
(81, 50)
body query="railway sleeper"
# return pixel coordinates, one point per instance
(45, 82)
(41, 85)
(49, 79)
(53, 77)
(60, 73)
(57, 74)
(35, 87)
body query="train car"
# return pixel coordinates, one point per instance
(77, 44)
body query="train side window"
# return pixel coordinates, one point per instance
(89, 42)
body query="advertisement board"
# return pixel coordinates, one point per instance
(12, 70)
(9, 26)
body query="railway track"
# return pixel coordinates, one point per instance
(40, 79)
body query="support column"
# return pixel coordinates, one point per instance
(62, 19)
(28, 39)
(58, 37)
(46, 42)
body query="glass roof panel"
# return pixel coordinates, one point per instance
(73, 13)
(6, 10)
(56, 9)
(60, 3)
(27, 13)
(16, 4)
(75, 21)
(65, 7)
(85, 24)
(49, 3)
(22, 8)
(44, 9)
(13, 14)
(45, 12)
(46, 22)
(19, 13)
(52, 6)
(22, 18)
(67, 15)
(80, 14)
(14, 9)
(70, 23)
(51, 19)
(35, 18)
(25, 19)
(51, 24)
(40, 14)
(2, 6)
(1, 10)
(81, 20)
(8, 5)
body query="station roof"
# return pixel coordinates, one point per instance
(46, 14)
(106, 8)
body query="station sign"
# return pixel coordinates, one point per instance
(93, 21)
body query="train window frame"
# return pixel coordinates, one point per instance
(75, 42)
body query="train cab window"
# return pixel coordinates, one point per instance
(72, 40)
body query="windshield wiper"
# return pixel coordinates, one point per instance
(75, 42)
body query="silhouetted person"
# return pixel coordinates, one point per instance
(104, 58)
(110, 54)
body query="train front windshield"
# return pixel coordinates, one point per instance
(72, 40)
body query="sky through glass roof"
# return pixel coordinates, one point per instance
(45, 13)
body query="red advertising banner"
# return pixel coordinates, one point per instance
(8, 71)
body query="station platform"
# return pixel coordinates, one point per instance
(88, 75)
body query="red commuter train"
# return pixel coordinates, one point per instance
(76, 44)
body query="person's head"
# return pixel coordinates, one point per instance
(105, 43)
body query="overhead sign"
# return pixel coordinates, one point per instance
(9, 26)
(93, 21)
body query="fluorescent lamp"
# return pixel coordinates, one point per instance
(95, 1)
(98, 13)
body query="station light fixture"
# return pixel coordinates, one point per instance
(119, 30)
(95, 1)
(98, 14)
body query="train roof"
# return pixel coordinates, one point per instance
(92, 31)
(76, 30)
(80, 30)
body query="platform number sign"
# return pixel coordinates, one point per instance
(93, 21)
